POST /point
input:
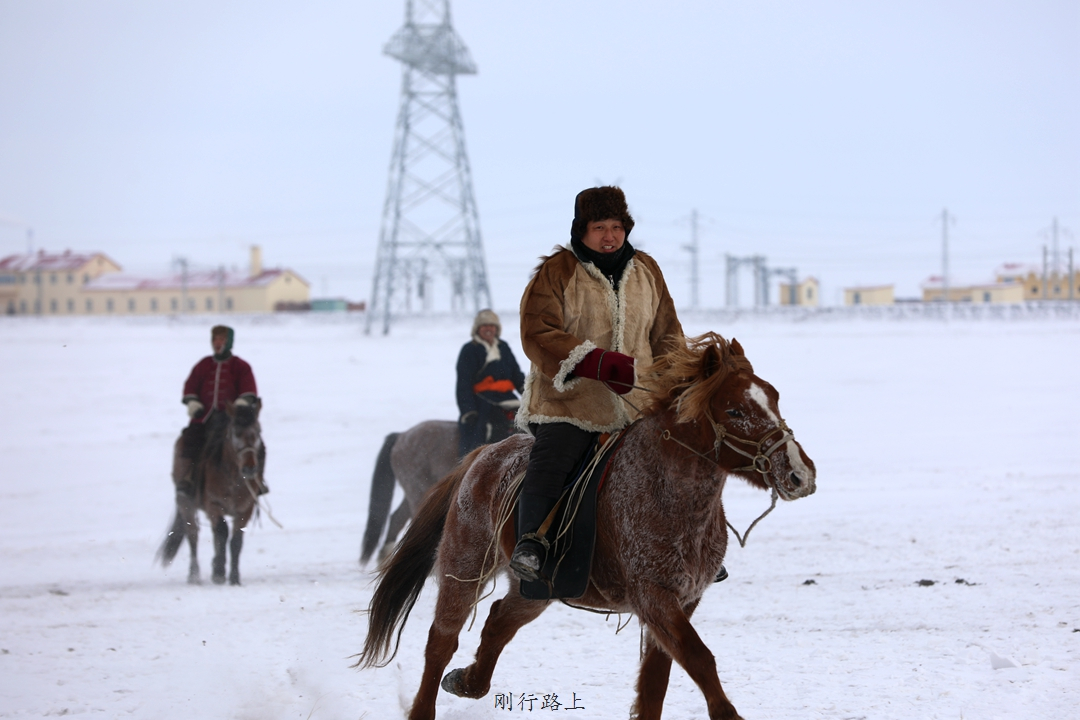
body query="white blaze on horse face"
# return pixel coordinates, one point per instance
(757, 394)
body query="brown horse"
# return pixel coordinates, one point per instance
(227, 474)
(710, 417)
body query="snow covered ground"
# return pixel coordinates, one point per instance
(946, 452)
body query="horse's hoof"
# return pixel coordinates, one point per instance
(454, 683)
(194, 580)
(219, 579)
(234, 581)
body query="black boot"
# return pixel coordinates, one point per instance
(183, 472)
(531, 549)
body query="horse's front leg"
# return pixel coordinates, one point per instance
(670, 629)
(652, 685)
(652, 682)
(221, 537)
(236, 543)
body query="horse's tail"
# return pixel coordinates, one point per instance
(382, 495)
(173, 539)
(404, 573)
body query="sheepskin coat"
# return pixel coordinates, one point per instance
(570, 308)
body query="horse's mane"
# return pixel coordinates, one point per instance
(689, 375)
(216, 428)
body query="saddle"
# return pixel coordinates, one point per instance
(572, 532)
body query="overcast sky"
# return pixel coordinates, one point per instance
(828, 136)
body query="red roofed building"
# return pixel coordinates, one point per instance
(43, 283)
(42, 286)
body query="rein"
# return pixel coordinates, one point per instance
(759, 461)
(264, 507)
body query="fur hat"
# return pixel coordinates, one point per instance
(229, 335)
(486, 317)
(599, 203)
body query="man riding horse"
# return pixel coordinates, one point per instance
(214, 382)
(487, 376)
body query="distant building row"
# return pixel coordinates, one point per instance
(1014, 283)
(92, 284)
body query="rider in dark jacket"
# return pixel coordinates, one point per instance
(487, 376)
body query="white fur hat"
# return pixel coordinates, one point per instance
(487, 317)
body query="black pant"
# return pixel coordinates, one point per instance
(490, 424)
(193, 437)
(556, 453)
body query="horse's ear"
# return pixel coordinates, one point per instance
(710, 361)
(736, 348)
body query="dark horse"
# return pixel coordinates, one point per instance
(709, 417)
(227, 475)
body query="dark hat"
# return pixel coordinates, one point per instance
(599, 203)
(229, 335)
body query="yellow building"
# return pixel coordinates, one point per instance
(1055, 286)
(807, 293)
(869, 295)
(94, 285)
(48, 284)
(1001, 292)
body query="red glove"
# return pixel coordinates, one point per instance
(611, 368)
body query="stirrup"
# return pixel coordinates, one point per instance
(722, 575)
(528, 557)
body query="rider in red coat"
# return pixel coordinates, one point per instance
(214, 382)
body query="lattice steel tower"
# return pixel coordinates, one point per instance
(430, 227)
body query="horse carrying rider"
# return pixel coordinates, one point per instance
(592, 313)
(214, 382)
(487, 376)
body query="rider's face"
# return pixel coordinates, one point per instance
(488, 332)
(604, 236)
(218, 343)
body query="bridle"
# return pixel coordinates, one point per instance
(241, 452)
(760, 460)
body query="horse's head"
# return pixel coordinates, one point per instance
(754, 432)
(245, 438)
(713, 382)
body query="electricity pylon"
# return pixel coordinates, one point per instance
(430, 225)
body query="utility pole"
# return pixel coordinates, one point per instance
(1072, 277)
(182, 263)
(693, 249)
(221, 289)
(945, 218)
(429, 222)
(1045, 273)
(1055, 255)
